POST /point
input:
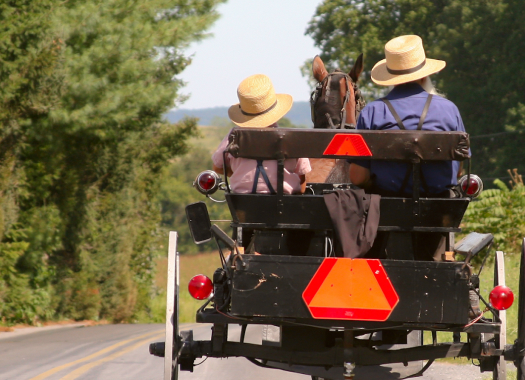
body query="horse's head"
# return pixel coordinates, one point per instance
(336, 101)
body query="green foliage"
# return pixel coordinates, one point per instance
(481, 41)
(287, 123)
(31, 78)
(501, 212)
(218, 121)
(84, 150)
(190, 265)
(177, 192)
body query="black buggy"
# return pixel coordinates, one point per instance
(332, 317)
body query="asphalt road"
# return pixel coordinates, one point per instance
(98, 352)
(121, 352)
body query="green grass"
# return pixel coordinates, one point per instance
(190, 265)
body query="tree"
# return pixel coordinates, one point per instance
(177, 192)
(500, 211)
(31, 76)
(480, 40)
(92, 163)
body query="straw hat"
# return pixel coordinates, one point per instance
(405, 62)
(259, 106)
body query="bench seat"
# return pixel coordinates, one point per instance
(261, 211)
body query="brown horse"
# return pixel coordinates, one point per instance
(335, 103)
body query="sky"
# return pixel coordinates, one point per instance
(251, 37)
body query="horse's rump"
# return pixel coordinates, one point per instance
(328, 170)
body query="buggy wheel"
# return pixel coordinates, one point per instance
(171, 350)
(500, 370)
(520, 362)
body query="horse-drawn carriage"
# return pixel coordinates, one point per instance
(331, 317)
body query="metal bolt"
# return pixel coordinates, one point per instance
(349, 371)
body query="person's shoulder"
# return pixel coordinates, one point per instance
(373, 105)
(444, 102)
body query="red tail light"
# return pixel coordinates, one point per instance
(501, 297)
(200, 287)
(471, 187)
(207, 182)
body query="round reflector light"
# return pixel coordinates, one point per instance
(200, 287)
(207, 182)
(471, 187)
(501, 297)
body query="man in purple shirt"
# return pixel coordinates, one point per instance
(412, 104)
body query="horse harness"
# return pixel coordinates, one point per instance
(419, 128)
(326, 83)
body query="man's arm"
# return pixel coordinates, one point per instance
(460, 170)
(360, 176)
(220, 170)
(302, 177)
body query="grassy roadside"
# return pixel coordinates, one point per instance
(190, 265)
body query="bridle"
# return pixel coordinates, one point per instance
(325, 84)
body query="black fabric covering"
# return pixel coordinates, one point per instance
(355, 216)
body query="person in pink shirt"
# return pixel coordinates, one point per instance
(260, 107)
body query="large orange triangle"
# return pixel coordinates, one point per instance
(350, 284)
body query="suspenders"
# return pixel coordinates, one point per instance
(260, 171)
(402, 127)
(398, 119)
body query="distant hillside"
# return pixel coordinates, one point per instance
(298, 115)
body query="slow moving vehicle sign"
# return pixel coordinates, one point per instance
(344, 144)
(350, 289)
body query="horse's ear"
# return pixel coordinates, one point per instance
(357, 69)
(318, 69)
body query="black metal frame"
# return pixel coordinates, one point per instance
(267, 289)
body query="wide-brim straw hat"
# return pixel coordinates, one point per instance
(405, 62)
(259, 106)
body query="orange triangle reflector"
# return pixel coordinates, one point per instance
(350, 289)
(347, 144)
